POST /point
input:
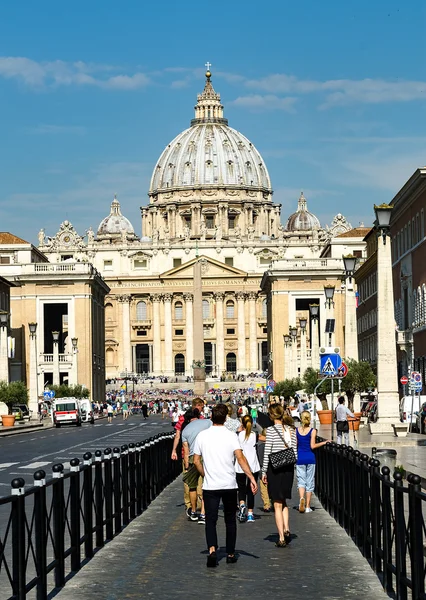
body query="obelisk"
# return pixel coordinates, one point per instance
(198, 342)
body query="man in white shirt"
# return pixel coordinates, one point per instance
(342, 425)
(218, 447)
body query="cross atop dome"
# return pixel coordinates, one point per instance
(208, 108)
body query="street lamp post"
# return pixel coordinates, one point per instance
(74, 342)
(329, 304)
(387, 375)
(351, 336)
(303, 357)
(4, 359)
(33, 404)
(56, 377)
(287, 366)
(293, 333)
(314, 312)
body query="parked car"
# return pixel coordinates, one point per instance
(17, 412)
(24, 410)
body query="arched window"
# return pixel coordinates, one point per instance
(230, 309)
(109, 312)
(179, 364)
(231, 362)
(264, 308)
(178, 310)
(110, 356)
(141, 311)
(206, 309)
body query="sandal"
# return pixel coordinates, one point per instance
(281, 544)
(287, 537)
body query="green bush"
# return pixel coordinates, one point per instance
(15, 392)
(70, 391)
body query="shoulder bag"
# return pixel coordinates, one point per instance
(282, 458)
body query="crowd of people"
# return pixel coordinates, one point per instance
(229, 452)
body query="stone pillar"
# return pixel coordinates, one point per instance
(125, 323)
(220, 338)
(4, 360)
(387, 372)
(287, 360)
(303, 352)
(156, 332)
(199, 372)
(168, 336)
(351, 334)
(151, 365)
(252, 330)
(33, 403)
(259, 356)
(134, 369)
(189, 320)
(241, 364)
(56, 377)
(314, 344)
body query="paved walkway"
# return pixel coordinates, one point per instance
(161, 555)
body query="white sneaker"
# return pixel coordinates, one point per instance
(308, 510)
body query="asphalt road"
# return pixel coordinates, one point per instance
(22, 455)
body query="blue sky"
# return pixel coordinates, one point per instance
(333, 94)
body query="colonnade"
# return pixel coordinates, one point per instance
(164, 343)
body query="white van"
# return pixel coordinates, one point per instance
(405, 405)
(66, 411)
(87, 415)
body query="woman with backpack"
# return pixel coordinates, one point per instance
(248, 442)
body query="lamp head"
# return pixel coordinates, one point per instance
(303, 322)
(74, 342)
(293, 332)
(4, 316)
(329, 292)
(314, 310)
(55, 335)
(33, 328)
(383, 215)
(287, 339)
(349, 262)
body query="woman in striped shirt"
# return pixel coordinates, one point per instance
(279, 481)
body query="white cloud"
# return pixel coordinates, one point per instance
(60, 73)
(257, 102)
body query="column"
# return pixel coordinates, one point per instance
(4, 360)
(156, 329)
(351, 334)
(387, 373)
(252, 330)
(220, 338)
(56, 376)
(287, 360)
(303, 354)
(189, 320)
(259, 356)
(241, 361)
(168, 336)
(134, 368)
(33, 403)
(125, 324)
(150, 367)
(314, 344)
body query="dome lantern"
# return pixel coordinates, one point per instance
(302, 219)
(208, 108)
(115, 225)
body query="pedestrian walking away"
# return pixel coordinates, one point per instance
(110, 413)
(305, 466)
(215, 452)
(248, 442)
(280, 437)
(342, 425)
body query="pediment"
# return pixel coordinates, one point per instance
(266, 252)
(140, 254)
(209, 267)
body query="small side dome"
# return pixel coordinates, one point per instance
(115, 225)
(302, 219)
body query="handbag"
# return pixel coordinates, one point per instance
(282, 458)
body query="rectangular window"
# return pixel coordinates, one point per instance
(422, 224)
(210, 221)
(141, 332)
(265, 330)
(177, 262)
(358, 253)
(140, 264)
(229, 260)
(178, 331)
(231, 222)
(264, 261)
(107, 265)
(4, 260)
(230, 332)
(66, 257)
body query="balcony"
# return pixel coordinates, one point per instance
(141, 324)
(47, 359)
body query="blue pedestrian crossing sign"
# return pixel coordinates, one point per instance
(330, 364)
(269, 389)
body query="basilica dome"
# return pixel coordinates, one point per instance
(209, 153)
(115, 224)
(302, 219)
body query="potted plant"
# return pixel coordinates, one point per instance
(12, 393)
(199, 368)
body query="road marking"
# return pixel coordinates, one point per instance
(35, 465)
(8, 465)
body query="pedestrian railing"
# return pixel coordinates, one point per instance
(50, 528)
(385, 517)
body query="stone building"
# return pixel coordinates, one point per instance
(210, 199)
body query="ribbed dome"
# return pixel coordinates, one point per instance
(209, 153)
(115, 223)
(302, 219)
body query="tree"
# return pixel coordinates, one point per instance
(310, 382)
(12, 393)
(70, 391)
(287, 388)
(360, 377)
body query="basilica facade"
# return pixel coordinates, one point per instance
(210, 200)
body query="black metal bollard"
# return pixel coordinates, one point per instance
(18, 538)
(117, 489)
(88, 504)
(387, 530)
(40, 533)
(99, 517)
(138, 470)
(58, 505)
(400, 537)
(416, 536)
(132, 480)
(75, 513)
(108, 491)
(125, 483)
(375, 514)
